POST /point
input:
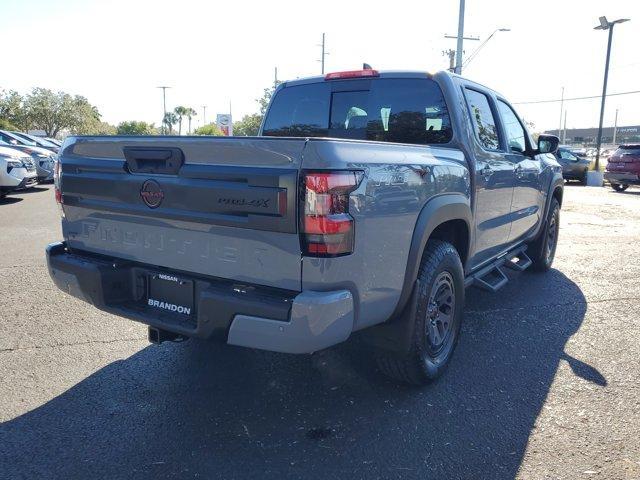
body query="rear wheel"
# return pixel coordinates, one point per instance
(543, 250)
(436, 320)
(619, 187)
(583, 179)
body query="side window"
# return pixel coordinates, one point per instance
(515, 132)
(483, 121)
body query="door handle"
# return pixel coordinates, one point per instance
(487, 171)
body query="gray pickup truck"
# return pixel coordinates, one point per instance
(370, 200)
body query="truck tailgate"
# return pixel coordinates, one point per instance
(224, 207)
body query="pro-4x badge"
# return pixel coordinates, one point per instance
(151, 194)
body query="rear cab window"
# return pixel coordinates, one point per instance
(398, 110)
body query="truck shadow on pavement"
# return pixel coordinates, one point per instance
(199, 410)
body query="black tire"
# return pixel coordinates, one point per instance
(440, 301)
(619, 187)
(543, 250)
(583, 179)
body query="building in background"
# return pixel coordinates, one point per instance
(587, 136)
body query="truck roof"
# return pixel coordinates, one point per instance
(392, 74)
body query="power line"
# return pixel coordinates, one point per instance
(576, 98)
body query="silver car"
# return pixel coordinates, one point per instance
(43, 158)
(17, 171)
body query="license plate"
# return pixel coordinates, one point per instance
(170, 293)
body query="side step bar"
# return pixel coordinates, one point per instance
(520, 262)
(492, 278)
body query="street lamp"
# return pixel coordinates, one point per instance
(475, 52)
(605, 25)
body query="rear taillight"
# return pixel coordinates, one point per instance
(326, 226)
(57, 176)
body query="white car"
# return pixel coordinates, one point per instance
(17, 171)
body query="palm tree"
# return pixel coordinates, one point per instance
(170, 119)
(180, 111)
(190, 114)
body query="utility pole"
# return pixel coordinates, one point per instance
(451, 53)
(615, 128)
(164, 108)
(458, 68)
(324, 54)
(564, 129)
(561, 106)
(204, 115)
(275, 80)
(605, 25)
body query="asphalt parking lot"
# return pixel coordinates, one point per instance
(544, 383)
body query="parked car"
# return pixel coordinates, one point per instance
(573, 167)
(281, 242)
(39, 141)
(623, 168)
(55, 141)
(44, 159)
(579, 152)
(17, 171)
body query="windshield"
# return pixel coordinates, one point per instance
(37, 140)
(8, 136)
(388, 110)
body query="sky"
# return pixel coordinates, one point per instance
(213, 53)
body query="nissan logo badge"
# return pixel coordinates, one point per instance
(151, 194)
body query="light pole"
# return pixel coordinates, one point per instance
(164, 107)
(605, 25)
(204, 115)
(475, 52)
(322, 55)
(458, 68)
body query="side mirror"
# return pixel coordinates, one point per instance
(548, 143)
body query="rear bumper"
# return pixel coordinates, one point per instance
(622, 178)
(239, 314)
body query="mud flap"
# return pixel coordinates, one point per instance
(396, 334)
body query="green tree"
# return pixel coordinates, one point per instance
(248, 126)
(104, 128)
(170, 119)
(135, 127)
(7, 125)
(53, 112)
(190, 114)
(266, 98)
(209, 129)
(12, 113)
(180, 112)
